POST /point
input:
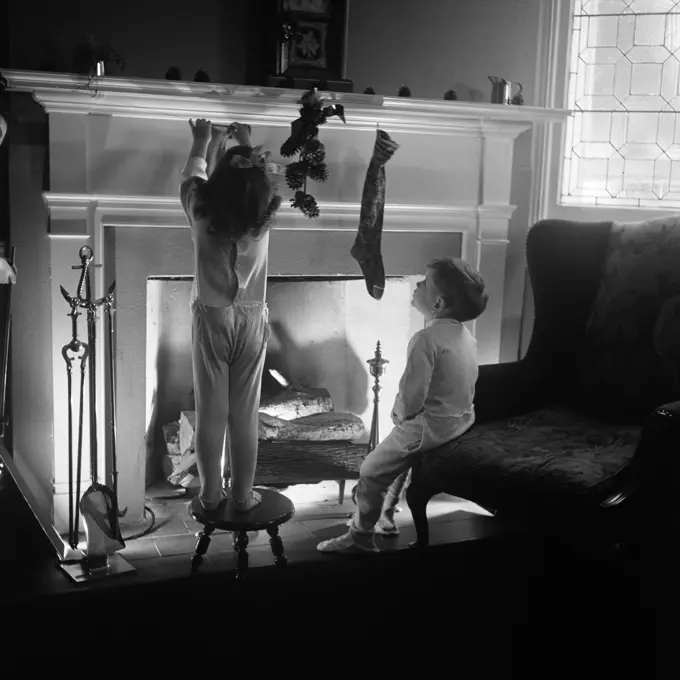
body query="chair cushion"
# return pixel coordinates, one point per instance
(623, 372)
(548, 456)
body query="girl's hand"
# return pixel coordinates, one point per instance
(201, 129)
(240, 133)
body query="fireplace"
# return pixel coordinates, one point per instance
(108, 173)
(324, 329)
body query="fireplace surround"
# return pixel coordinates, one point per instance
(115, 148)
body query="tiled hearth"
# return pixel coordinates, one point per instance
(165, 552)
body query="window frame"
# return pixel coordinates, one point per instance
(554, 50)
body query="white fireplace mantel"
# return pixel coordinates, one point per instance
(178, 100)
(116, 148)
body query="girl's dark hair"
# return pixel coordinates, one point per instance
(238, 201)
(460, 286)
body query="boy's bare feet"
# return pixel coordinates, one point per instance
(349, 544)
(387, 526)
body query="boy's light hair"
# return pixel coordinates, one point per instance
(460, 286)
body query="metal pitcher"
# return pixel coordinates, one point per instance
(501, 91)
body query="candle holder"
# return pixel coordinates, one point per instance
(377, 368)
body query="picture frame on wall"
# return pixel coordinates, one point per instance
(319, 37)
(309, 49)
(298, 44)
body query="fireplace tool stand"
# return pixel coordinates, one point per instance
(98, 505)
(377, 370)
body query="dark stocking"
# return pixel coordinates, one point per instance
(366, 248)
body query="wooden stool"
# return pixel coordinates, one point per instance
(274, 510)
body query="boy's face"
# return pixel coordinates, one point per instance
(426, 297)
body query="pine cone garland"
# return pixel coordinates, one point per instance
(295, 175)
(318, 172)
(306, 204)
(304, 140)
(314, 156)
(290, 147)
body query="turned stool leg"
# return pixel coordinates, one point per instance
(240, 546)
(201, 547)
(341, 491)
(277, 546)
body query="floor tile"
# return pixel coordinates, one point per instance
(175, 545)
(169, 526)
(192, 525)
(140, 549)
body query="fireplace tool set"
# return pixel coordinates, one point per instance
(98, 505)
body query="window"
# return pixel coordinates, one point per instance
(623, 141)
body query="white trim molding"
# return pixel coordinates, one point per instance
(274, 107)
(66, 210)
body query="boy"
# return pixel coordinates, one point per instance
(434, 404)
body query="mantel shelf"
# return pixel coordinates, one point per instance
(177, 100)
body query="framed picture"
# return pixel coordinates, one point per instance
(307, 6)
(297, 39)
(308, 49)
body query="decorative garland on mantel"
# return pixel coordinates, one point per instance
(304, 140)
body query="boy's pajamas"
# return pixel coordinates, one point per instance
(434, 406)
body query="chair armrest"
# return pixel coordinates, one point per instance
(510, 389)
(668, 414)
(656, 459)
(660, 439)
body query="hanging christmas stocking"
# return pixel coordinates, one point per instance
(366, 248)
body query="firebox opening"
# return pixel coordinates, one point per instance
(324, 330)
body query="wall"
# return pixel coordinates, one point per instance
(450, 43)
(457, 43)
(151, 35)
(31, 389)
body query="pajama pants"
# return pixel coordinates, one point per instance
(386, 467)
(228, 352)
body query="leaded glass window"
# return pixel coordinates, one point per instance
(623, 141)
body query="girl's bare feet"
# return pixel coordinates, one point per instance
(247, 505)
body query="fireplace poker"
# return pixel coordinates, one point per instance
(109, 307)
(74, 349)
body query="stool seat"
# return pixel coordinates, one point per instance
(274, 509)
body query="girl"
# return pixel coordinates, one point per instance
(230, 214)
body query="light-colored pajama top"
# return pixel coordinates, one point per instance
(224, 272)
(439, 379)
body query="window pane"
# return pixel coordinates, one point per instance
(623, 141)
